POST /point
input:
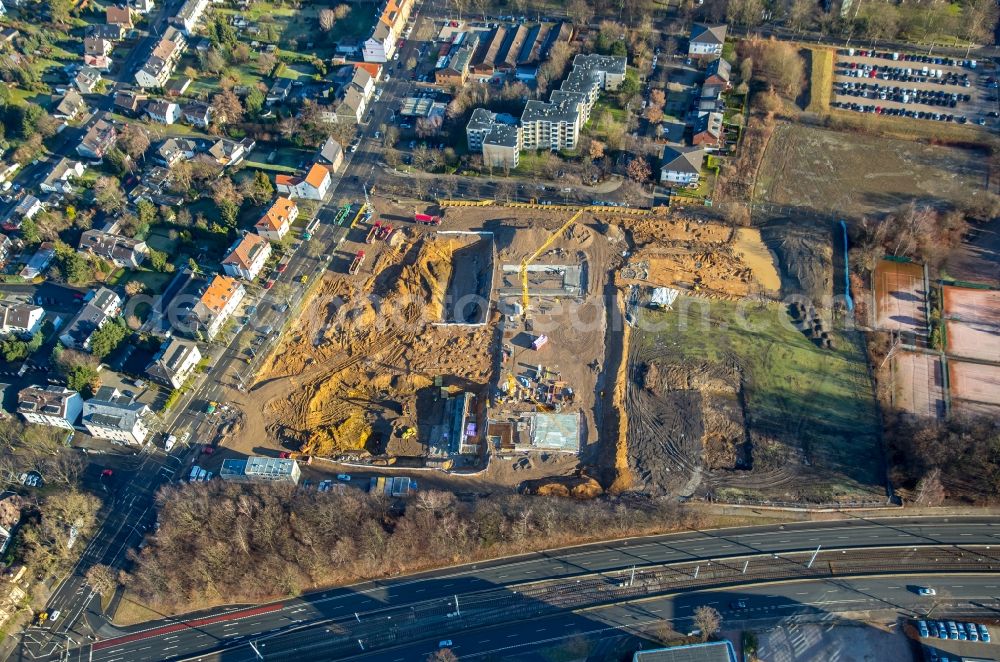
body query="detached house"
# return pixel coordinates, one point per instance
(119, 16)
(247, 257)
(59, 179)
(278, 219)
(70, 106)
(127, 103)
(20, 319)
(706, 40)
(56, 406)
(331, 154)
(229, 152)
(97, 53)
(682, 165)
(313, 186)
(198, 114)
(109, 32)
(352, 107)
(98, 140)
(119, 250)
(99, 307)
(164, 112)
(174, 363)
(215, 306)
(87, 80)
(174, 150)
(279, 91)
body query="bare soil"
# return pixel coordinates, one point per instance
(846, 175)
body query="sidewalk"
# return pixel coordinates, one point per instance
(609, 186)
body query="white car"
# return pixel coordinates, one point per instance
(344, 477)
(444, 643)
(926, 590)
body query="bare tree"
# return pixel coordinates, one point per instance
(327, 18)
(930, 490)
(102, 579)
(708, 620)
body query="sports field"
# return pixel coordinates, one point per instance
(900, 297)
(972, 323)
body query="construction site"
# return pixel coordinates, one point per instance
(511, 346)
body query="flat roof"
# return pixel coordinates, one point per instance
(555, 432)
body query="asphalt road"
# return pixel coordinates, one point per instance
(810, 600)
(309, 615)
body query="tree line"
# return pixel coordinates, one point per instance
(225, 542)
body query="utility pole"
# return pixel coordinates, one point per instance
(457, 610)
(813, 556)
(255, 650)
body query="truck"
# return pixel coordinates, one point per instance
(195, 470)
(169, 443)
(385, 232)
(373, 232)
(426, 219)
(310, 230)
(212, 406)
(359, 259)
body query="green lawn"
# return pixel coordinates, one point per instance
(817, 402)
(154, 281)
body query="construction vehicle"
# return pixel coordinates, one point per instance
(385, 232)
(342, 214)
(534, 256)
(369, 208)
(307, 234)
(373, 232)
(426, 219)
(359, 259)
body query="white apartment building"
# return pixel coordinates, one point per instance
(57, 406)
(117, 417)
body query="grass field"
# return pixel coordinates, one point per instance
(817, 403)
(820, 80)
(849, 174)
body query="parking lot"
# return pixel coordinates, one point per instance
(917, 86)
(951, 641)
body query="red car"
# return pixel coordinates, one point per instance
(284, 455)
(207, 450)
(107, 473)
(269, 284)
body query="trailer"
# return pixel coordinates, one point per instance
(373, 232)
(426, 219)
(310, 229)
(359, 259)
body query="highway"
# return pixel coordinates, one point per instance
(298, 626)
(807, 601)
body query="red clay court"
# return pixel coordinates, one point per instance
(975, 385)
(972, 323)
(918, 384)
(900, 297)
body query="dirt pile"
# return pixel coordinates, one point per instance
(350, 434)
(577, 487)
(709, 259)
(348, 371)
(805, 257)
